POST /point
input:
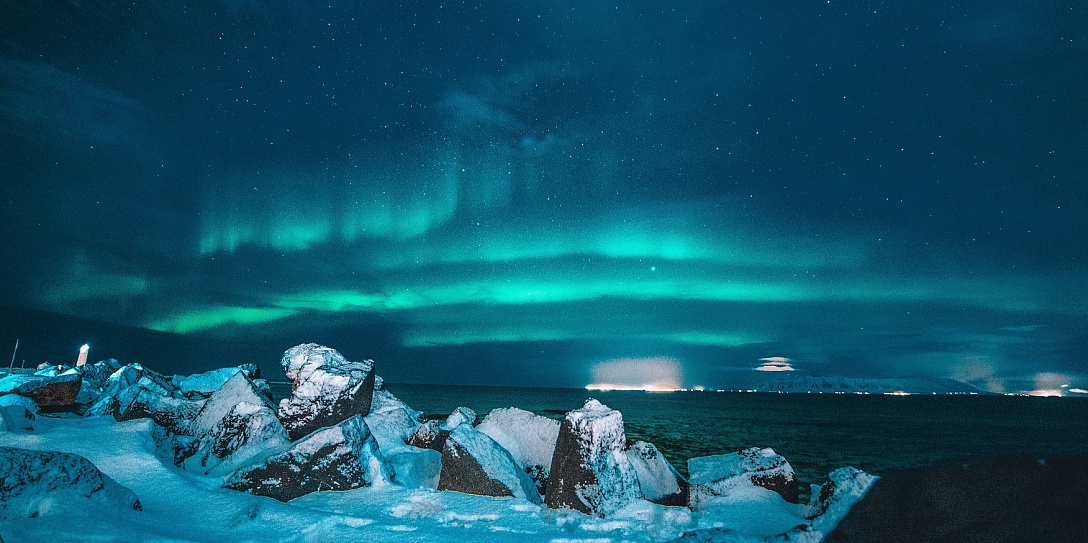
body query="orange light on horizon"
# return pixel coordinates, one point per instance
(652, 374)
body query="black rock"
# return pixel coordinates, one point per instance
(51, 393)
(473, 463)
(590, 471)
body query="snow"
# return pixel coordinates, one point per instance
(415, 468)
(530, 438)
(392, 424)
(7, 424)
(656, 477)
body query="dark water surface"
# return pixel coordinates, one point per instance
(815, 432)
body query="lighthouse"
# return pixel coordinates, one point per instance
(82, 360)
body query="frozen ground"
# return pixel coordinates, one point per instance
(180, 506)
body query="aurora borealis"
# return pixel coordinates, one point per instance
(515, 193)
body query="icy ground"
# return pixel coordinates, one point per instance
(180, 506)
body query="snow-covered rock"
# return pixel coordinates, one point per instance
(530, 439)
(657, 479)
(326, 388)
(146, 399)
(95, 378)
(339, 457)
(720, 474)
(831, 501)
(237, 389)
(429, 435)
(39, 483)
(235, 424)
(51, 393)
(245, 432)
(473, 463)
(432, 434)
(461, 415)
(590, 471)
(202, 385)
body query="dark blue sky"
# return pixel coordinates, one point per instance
(517, 192)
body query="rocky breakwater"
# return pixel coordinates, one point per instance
(340, 429)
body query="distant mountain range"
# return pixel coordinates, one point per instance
(859, 385)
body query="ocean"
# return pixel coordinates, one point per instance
(816, 433)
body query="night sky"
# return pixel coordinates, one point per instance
(532, 193)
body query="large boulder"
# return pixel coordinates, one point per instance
(238, 388)
(51, 393)
(657, 479)
(40, 483)
(717, 475)
(339, 457)
(529, 437)
(843, 488)
(326, 389)
(235, 423)
(1007, 499)
(473, 463)
(95, 378)
(590, 471)
(105, 404)
(246, 431)
(148, 399)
